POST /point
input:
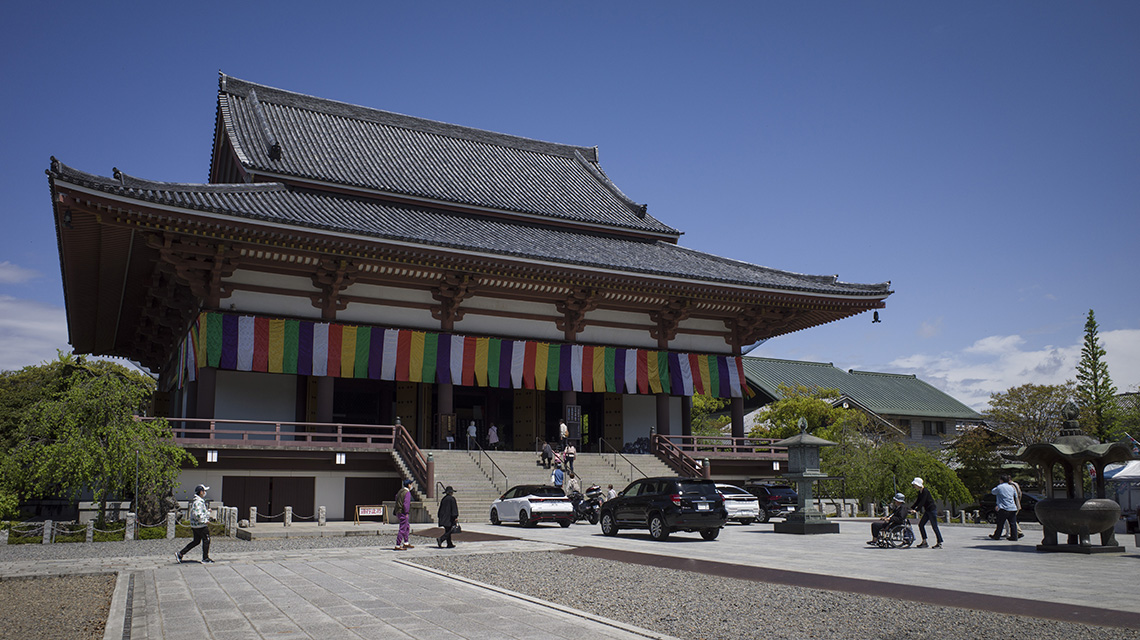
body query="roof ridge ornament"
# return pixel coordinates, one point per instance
(272, 146)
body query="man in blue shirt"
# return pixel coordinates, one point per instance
(1006, 508)
(557, 477)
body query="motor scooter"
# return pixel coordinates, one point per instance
(587, 507)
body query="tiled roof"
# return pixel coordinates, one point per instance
(306, 209)
(298, 136)
(883, 393)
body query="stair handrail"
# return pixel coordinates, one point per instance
(672, 455)
(617, 454)
(494, 466)
(412, 456)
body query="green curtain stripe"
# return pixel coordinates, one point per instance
(611, 382)
(289, 351)
(663, 371)
(363, 342)
(553, 353)
(431, 350)
(714, 375)
(494, 347)
(214, 339)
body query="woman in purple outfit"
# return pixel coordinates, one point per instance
(403, 512)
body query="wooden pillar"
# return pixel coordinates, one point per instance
(686, 415)
(663, 414)
(446, 398)
(207, 386)
(738, 430)
(324, 399)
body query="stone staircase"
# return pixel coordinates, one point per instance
(475, 491)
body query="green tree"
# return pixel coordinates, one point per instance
(1095, 391)
(703, 416)
(871, 464)
(1029, 413)
(85, 437)
(977, 460)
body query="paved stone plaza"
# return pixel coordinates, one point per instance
(373, 592)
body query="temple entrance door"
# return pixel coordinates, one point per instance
(612, 426)
(524, 426)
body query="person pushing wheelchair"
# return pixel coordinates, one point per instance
(896, 516)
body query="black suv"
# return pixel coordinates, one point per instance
(775, 499)
(665, 505)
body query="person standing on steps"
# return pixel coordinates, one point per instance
(199, 524)
(493, 437)
(557, 477)
(925, 501)
(448, 515)
(472, 431)
(547, 455)
(570, 453)
(403, 515)
(563, 432)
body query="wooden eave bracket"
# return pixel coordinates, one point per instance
(575, 307)
(452, 290)
(332, 277)
(667, 319)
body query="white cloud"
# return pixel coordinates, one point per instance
(997, 363)
(930, 329)
(30, 332)
(13, 274)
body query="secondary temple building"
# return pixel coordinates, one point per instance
(347, 269)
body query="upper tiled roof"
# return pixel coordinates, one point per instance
(883, 393)
(281, 204)
(298, 136)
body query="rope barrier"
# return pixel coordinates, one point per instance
(297, 517)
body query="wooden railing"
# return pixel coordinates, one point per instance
(210, 432)
(727, 447)
(674, 456)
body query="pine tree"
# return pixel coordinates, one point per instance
(1095, 392)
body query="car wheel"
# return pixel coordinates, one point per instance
(763, 516)
(746, 521)
(524, 521)
(711, 533)
(609, 526)
(657, 529)
(991, 517)
(564, 523)
(495, 517)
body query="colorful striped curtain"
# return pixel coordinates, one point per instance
(275, 345)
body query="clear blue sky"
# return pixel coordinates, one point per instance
(982, 156)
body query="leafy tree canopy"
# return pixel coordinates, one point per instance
(702, 418)
(81, 435)
(1029, 413)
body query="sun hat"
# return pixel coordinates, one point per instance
(900, 497)
(448, 490)
(917, 482)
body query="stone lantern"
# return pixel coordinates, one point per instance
(1072, 512)
(803, 469)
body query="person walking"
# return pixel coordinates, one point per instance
(1017, 487)
(570, 453)
(472, 431)
(403, 515)
(1006, 509)
(547, 455)
(493, 437)
(557, 477)
(448, 515)
(199, 524)
(925, 501)
(563, 432)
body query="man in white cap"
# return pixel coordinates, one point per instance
(897, 515)
(925, 501)
(199, 524)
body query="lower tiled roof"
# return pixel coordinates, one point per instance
(280, 204)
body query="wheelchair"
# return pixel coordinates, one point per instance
(899, 536)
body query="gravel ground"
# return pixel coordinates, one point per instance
(682, 604)
(73, 608)
(697, 607)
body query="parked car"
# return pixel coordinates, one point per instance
(988, 507)
(529, 504)
(742, 507)
(665, 505)
(776, 500)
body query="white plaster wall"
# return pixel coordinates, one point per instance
(628, 338)
(277, 280)
(271, 305)
(387, 316)
(202, 474)
(248, 395)
(329, 492)
(514, 328)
